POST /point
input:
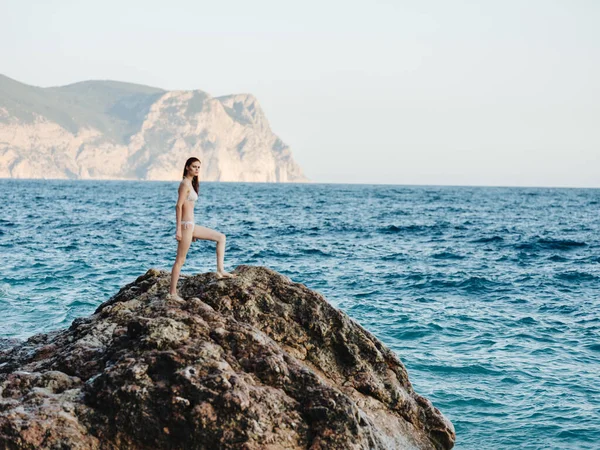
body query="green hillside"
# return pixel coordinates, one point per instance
(116, 109)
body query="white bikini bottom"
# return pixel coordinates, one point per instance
(187, 224)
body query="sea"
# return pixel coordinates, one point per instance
(489, 295)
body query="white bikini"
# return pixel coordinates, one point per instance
(192, 197)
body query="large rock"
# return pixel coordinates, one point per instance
(114, 130)
(255, 362)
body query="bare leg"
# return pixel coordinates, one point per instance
(182, 249)
(220, 239)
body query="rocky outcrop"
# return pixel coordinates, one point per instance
(113, 130)
(255, 362)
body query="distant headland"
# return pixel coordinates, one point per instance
(115, 130)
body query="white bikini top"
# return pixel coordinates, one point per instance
(192, 196)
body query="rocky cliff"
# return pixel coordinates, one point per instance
(254, 362)
(113, 130)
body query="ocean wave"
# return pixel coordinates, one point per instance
(367, 294)
(475, 402)
(559, 308)
(410, 334)
(531, 337)
(592, 259)
(394, 257)
(594, 347)
(578, 433)
(551, 244)
(557, 258)
(510, 380)
(425, 300)
(527, 321)
(266, 253)
(314, 251)
(469, 369)
(544, 351)
(470, 285)
(575, 276)
(447, 255)
(487, 240)
(391, 229)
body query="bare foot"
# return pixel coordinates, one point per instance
(175, 297)
(224, 274)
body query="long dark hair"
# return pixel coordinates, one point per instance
(188, 163)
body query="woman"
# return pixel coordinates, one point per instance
(187, 230)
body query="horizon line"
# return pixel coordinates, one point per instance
(311, 183)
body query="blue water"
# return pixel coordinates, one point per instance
(491, 296)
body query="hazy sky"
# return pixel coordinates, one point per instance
(496, 92)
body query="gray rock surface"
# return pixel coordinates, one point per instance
(254, 362)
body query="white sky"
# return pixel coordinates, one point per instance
(479, 92)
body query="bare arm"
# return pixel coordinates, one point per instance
(183, 193)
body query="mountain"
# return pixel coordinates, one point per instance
(115, 130)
